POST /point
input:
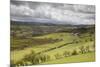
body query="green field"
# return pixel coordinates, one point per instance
(89, 57)
(18, 54)
(52, 45)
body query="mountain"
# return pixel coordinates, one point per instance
(46, 22)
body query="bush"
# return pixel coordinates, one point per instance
(33, 58)
(42, 57)
(57, 56)
(94, 46)
(12, 63)
(82, 49)
(91, 39)
(87, 49)
(19, 63)
(74, 52)
(48, 57)
(66, 53)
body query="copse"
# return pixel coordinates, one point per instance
(33, 58)
(84, 49)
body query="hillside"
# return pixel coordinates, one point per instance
(52, 43)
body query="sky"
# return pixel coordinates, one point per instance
(61, 13)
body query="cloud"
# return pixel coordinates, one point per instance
(21, 11)
(84, 8)
(67, 13)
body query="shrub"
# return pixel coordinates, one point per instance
(86, 40)
(47, 57)
(76, 42)
(91, 39)
(94, 46)
(87, 49)
(66, 53)
(74, 52)
(34, 58)
(82, 49)
(42, 57)
(57, 56)
(12, 63)
(19, 63)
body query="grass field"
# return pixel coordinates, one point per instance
(53, 44)
(18, 54)
(89, 57)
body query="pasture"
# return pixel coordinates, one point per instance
(79, 47)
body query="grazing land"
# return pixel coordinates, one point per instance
(33, 44)
(88, 57)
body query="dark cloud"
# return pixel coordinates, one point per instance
(81, 14)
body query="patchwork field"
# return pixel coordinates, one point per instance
(51, 48)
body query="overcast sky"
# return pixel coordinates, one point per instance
(64, 13)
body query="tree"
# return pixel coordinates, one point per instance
(57, 56)
(12, 63)
(74, 52)
(87, 49)
(66, 53)
(82, 49)
(33, 58)
(42, 57)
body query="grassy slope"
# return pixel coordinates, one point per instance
(69, 47)
(18, 55)
(74, 59)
